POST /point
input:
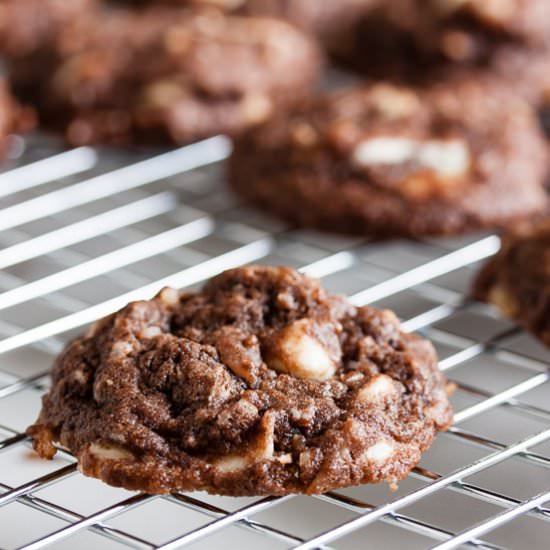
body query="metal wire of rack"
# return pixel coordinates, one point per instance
(84, 231)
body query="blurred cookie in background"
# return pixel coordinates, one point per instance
(383, 160)
(517, 279)
(165, 74)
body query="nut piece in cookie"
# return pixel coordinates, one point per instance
(384, 160)
(262, 383)
(517, 279)
(169, 74)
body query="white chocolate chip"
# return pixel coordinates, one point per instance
(300, 354)
(394, 102)
(384, 150)
(264, 446)
(379, 452)
(377, 390)
(169, 296)
(163, 93)
(120, 349)
(110, 452)
(232, 463)
(448, 158)
(151, 332)
(285, 458)
(261, 449)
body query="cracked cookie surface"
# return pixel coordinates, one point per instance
(261, 383)
(385, 160)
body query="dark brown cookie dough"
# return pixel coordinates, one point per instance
(382, 160)
(25, 25)
(14, 118)
(262, 383)
(165, 74)
(517, 279)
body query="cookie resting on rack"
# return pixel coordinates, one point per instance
(517, 279)
(260, 384)
(164, 74)
(383, 160)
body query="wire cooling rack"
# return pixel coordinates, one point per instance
(84, 231)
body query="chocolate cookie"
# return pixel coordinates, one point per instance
(517, 279)
(165, 74)
(382, 160)
(14, 117)
(262, 383)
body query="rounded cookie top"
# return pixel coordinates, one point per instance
(388, 160)
(166, 73)
(262, 383)
(517, 279)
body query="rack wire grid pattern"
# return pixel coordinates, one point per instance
(84, 231)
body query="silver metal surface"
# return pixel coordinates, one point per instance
(83, 232)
